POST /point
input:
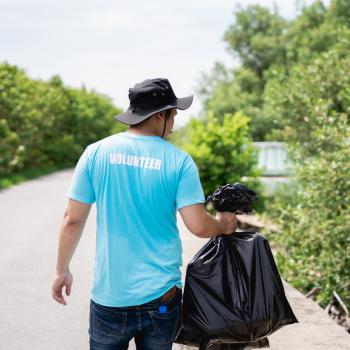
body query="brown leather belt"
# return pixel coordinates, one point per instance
(169, 294)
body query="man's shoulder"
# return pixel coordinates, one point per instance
(178, 151)
(179, 154)
(105, 141)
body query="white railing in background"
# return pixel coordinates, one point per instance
(273, 161)
(272, 158)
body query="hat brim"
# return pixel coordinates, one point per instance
(131, 118)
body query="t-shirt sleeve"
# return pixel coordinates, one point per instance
(189, 190)
(81, 187)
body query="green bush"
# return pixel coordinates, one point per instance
(314, 243)
(223, 151)
(47, 124)
(293, 82)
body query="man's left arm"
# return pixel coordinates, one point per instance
(72, 227)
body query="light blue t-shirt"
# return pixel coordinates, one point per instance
(138, 182)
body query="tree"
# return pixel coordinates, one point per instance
(268, 48)
(314, 244)
(46, 123)
(256, 36)
(256, 39)
(293, 83)
(311, 97)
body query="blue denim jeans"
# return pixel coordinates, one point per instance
(154, 328)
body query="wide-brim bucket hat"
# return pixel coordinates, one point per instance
(149, 97)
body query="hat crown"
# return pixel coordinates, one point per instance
(151, 93)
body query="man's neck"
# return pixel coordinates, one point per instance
(137, 131)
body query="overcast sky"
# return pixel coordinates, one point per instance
(109, 45)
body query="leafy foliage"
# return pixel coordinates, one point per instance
(46, 124)
(256, 37)
(293, 83)
(312, 97)
(268, 47)
(222, 151)
(314, 244)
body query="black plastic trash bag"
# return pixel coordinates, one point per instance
(235, 198)
(233, 295)
(207, 343)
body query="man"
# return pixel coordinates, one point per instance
(138, 181)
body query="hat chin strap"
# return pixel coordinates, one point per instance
(164, 126)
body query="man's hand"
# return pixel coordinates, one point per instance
(60, 280)
(228, 221)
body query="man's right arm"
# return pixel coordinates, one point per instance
(203, 225)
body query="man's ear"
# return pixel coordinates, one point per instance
(160, 114)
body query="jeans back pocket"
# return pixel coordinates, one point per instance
(165, 324)
(106, 323)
